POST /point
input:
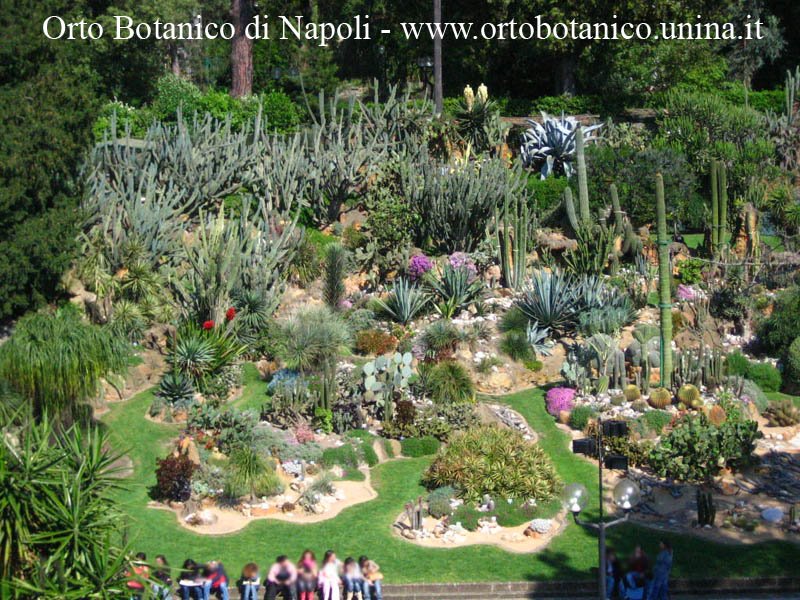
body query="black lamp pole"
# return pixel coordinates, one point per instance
(437, 60)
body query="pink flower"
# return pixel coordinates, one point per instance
(418, 266)
(685, 292)
(559, 399)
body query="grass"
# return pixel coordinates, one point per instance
(367, 528)
(773, 396)
(695, 240)
(254, 389)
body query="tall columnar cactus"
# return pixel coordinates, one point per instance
(706, 509)
(719, 206)
(512, 233)
(665, 297)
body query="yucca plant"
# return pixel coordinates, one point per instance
(193, 356)
(404, 302)
(248, 470)
(127, 320)
(454, 289)
(449, 383)
(312, 339)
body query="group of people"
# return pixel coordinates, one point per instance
(304, 580)
(640, 581)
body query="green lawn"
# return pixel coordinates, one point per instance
(366, 528)
(772, 396)
(254, 392)
(695, 240)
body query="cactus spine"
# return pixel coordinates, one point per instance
(665, 298)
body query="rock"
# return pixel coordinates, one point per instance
(772, 515)
(563, 417)
(541, 525)
(513, 537)
(409, 534)
(499, 381)
(531, 533)
(201, 518)
(192, 453)
(157, 337)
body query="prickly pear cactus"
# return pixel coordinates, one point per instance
(385, 378)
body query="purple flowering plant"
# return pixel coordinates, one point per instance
(559, 399)
(418, 266)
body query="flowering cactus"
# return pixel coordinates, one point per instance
(418, 266)
(560, 399)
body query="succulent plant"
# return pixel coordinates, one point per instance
(717, 415)
(783, 413)
(690, 396)
(631, 393)
(550, 145)
(385, 377)
(660, 398)
(639, 406)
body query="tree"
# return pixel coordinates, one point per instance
(242, 12)
(746, 57)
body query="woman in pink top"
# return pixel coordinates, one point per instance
(329, 576)
(307, 575)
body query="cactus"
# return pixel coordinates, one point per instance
(618, 376)
(706, 509)
(782, 413)
(717, 416)
(665, 298)
(385, 378)
(719, 206)
(631, 393)
(660, 398)
(690, 396)
(512, 232)
(793, 518)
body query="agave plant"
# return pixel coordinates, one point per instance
(537, 338)
(404, 302)
(550, 300)
(176, 389)
(456, 288)
(193, 356)
(550, 145)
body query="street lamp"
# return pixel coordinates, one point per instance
(626, 493)
(425, 65)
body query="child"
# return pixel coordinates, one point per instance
(216, 581)
(307, 575)
(162, 579)
(372, 579)
(329, 576)
(249, 582)
(353, 580)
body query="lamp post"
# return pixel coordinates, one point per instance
(425, 65)
(438, 100)
(626, 492)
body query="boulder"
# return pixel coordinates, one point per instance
(201, 518)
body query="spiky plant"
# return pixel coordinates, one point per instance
(404, 302)
(127, 320)
(312, 339)
(176, 389)
(537, 339)
(549, 299)
(454, 289)
(783, 413)
(631, 393)
(193, 355)
(660, 398)
(449, 383)
(247, 469)
(550, 145)
(337, 261)
(57, 360)
(690, 395)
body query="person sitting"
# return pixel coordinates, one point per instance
(282, 578)
(353, 580)
(249, 582)
(216, 581)
(307, 575)
(162, 579)
(633, 586)
(191, 583)
(372, 579)
(139, 575)
(329, 576)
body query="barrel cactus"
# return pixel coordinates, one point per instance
(660, 398)
(631, 393)
(717, 415)
(690, 396)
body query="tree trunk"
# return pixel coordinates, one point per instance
(241, 49)
(568, 65)
(175, 59)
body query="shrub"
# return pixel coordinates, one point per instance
(312, 339)
(173, 93)
(559, 399)
(468, 516)
(455, 289)
(448, 382)
(793, 361)
(440, 339)
(782, 327)
(580, 416)
(375, 341)
(416, 447)
(280, 113)
(515, 345)
(696, 450)
(174, 478)
(360, 319)
(439, 501)
(737, 364)
(494, 460)
(344, 456)
(656, 420)
(546, 194)
(766, 376)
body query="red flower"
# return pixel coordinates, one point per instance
(230, 314)
(208, 325)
